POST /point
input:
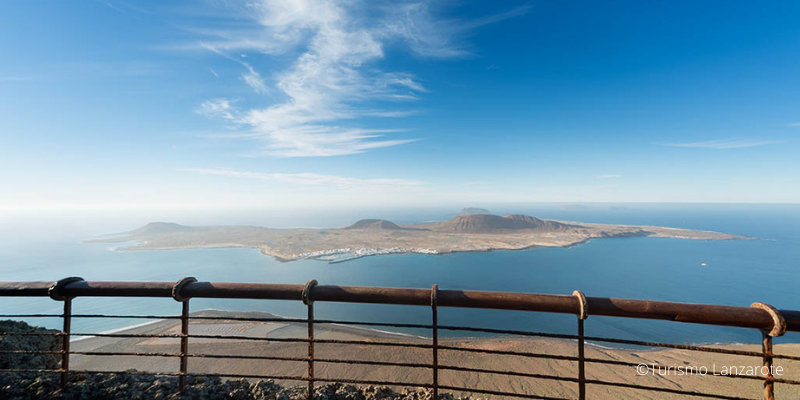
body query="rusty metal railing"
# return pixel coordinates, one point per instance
(769, 321)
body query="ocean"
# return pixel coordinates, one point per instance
(717, 272)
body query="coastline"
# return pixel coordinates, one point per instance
(372, 237)
(354, 255)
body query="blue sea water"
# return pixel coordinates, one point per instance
(735, 272)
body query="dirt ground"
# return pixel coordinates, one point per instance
(722, 385)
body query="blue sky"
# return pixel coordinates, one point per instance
(148, 104)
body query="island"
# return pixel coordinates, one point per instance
(467, 231)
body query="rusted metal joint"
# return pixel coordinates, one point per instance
(435, 296)
(779, 323)
(55, 290)
(176, 290)
(307, 300)
(583, 310)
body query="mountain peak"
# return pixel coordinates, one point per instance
(160, 227)
(474, 211)
(381, 224)
(486, 223)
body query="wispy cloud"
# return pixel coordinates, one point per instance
(327, 84)
(415, 24)
(123, 7)
(253, 79)
(793, 124)
(309, 179)
(609, 176)
(216, 108)
(250, 76)
(724, 144)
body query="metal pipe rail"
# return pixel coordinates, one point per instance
(768, 320)
(742, 317)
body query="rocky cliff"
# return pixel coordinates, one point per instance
(82, 386)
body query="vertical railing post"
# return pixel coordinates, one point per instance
(67, 329)
(184, 354)
(56, 293)
(309, 302)
(310, 351)
(184, 345)
(435, 339)
(778, 329)
(766, 347)
(583, 313)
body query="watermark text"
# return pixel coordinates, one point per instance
(713, 370)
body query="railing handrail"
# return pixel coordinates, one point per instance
(767, 319)
(720, 315)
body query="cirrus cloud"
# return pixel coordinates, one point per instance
(334, 78)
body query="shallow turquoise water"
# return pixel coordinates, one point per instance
(736, 273)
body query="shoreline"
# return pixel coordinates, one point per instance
(373, 237)
(284, 259)
(374, 332)
(116, 330)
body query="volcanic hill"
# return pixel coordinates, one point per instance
(487, 224)
(373, 224)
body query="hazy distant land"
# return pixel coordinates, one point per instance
(471, 230)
